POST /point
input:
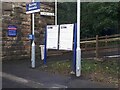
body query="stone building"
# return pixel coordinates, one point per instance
(19, 47)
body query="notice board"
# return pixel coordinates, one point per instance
(66, 37)
(52, 37)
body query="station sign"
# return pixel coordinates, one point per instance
(32, 7)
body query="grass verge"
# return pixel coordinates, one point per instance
(106, 71)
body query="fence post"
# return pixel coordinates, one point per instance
(97, 55)
(106, 41)
(85, 45)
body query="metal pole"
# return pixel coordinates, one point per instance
(75, 46)
(33, 43)
(78, 50)
(45, 49)
(55, 12)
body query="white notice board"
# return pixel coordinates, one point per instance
(66, 37)
(52, 37)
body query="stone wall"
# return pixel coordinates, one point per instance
(19, 47)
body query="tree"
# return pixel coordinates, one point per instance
(96, 17)
(67, 12)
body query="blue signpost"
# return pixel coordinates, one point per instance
(33, 7)
(12, 30)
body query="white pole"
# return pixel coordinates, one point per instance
(55, 12)
(33, 43)
(78, 50)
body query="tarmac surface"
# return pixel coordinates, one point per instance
(19, 74)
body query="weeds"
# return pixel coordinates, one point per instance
(106, 71)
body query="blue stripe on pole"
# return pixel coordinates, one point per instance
(75, 46)
(45, 50)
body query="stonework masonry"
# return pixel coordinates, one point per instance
(19, 47)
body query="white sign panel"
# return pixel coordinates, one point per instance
(66, 37)
(47, 14)
(52, 37)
